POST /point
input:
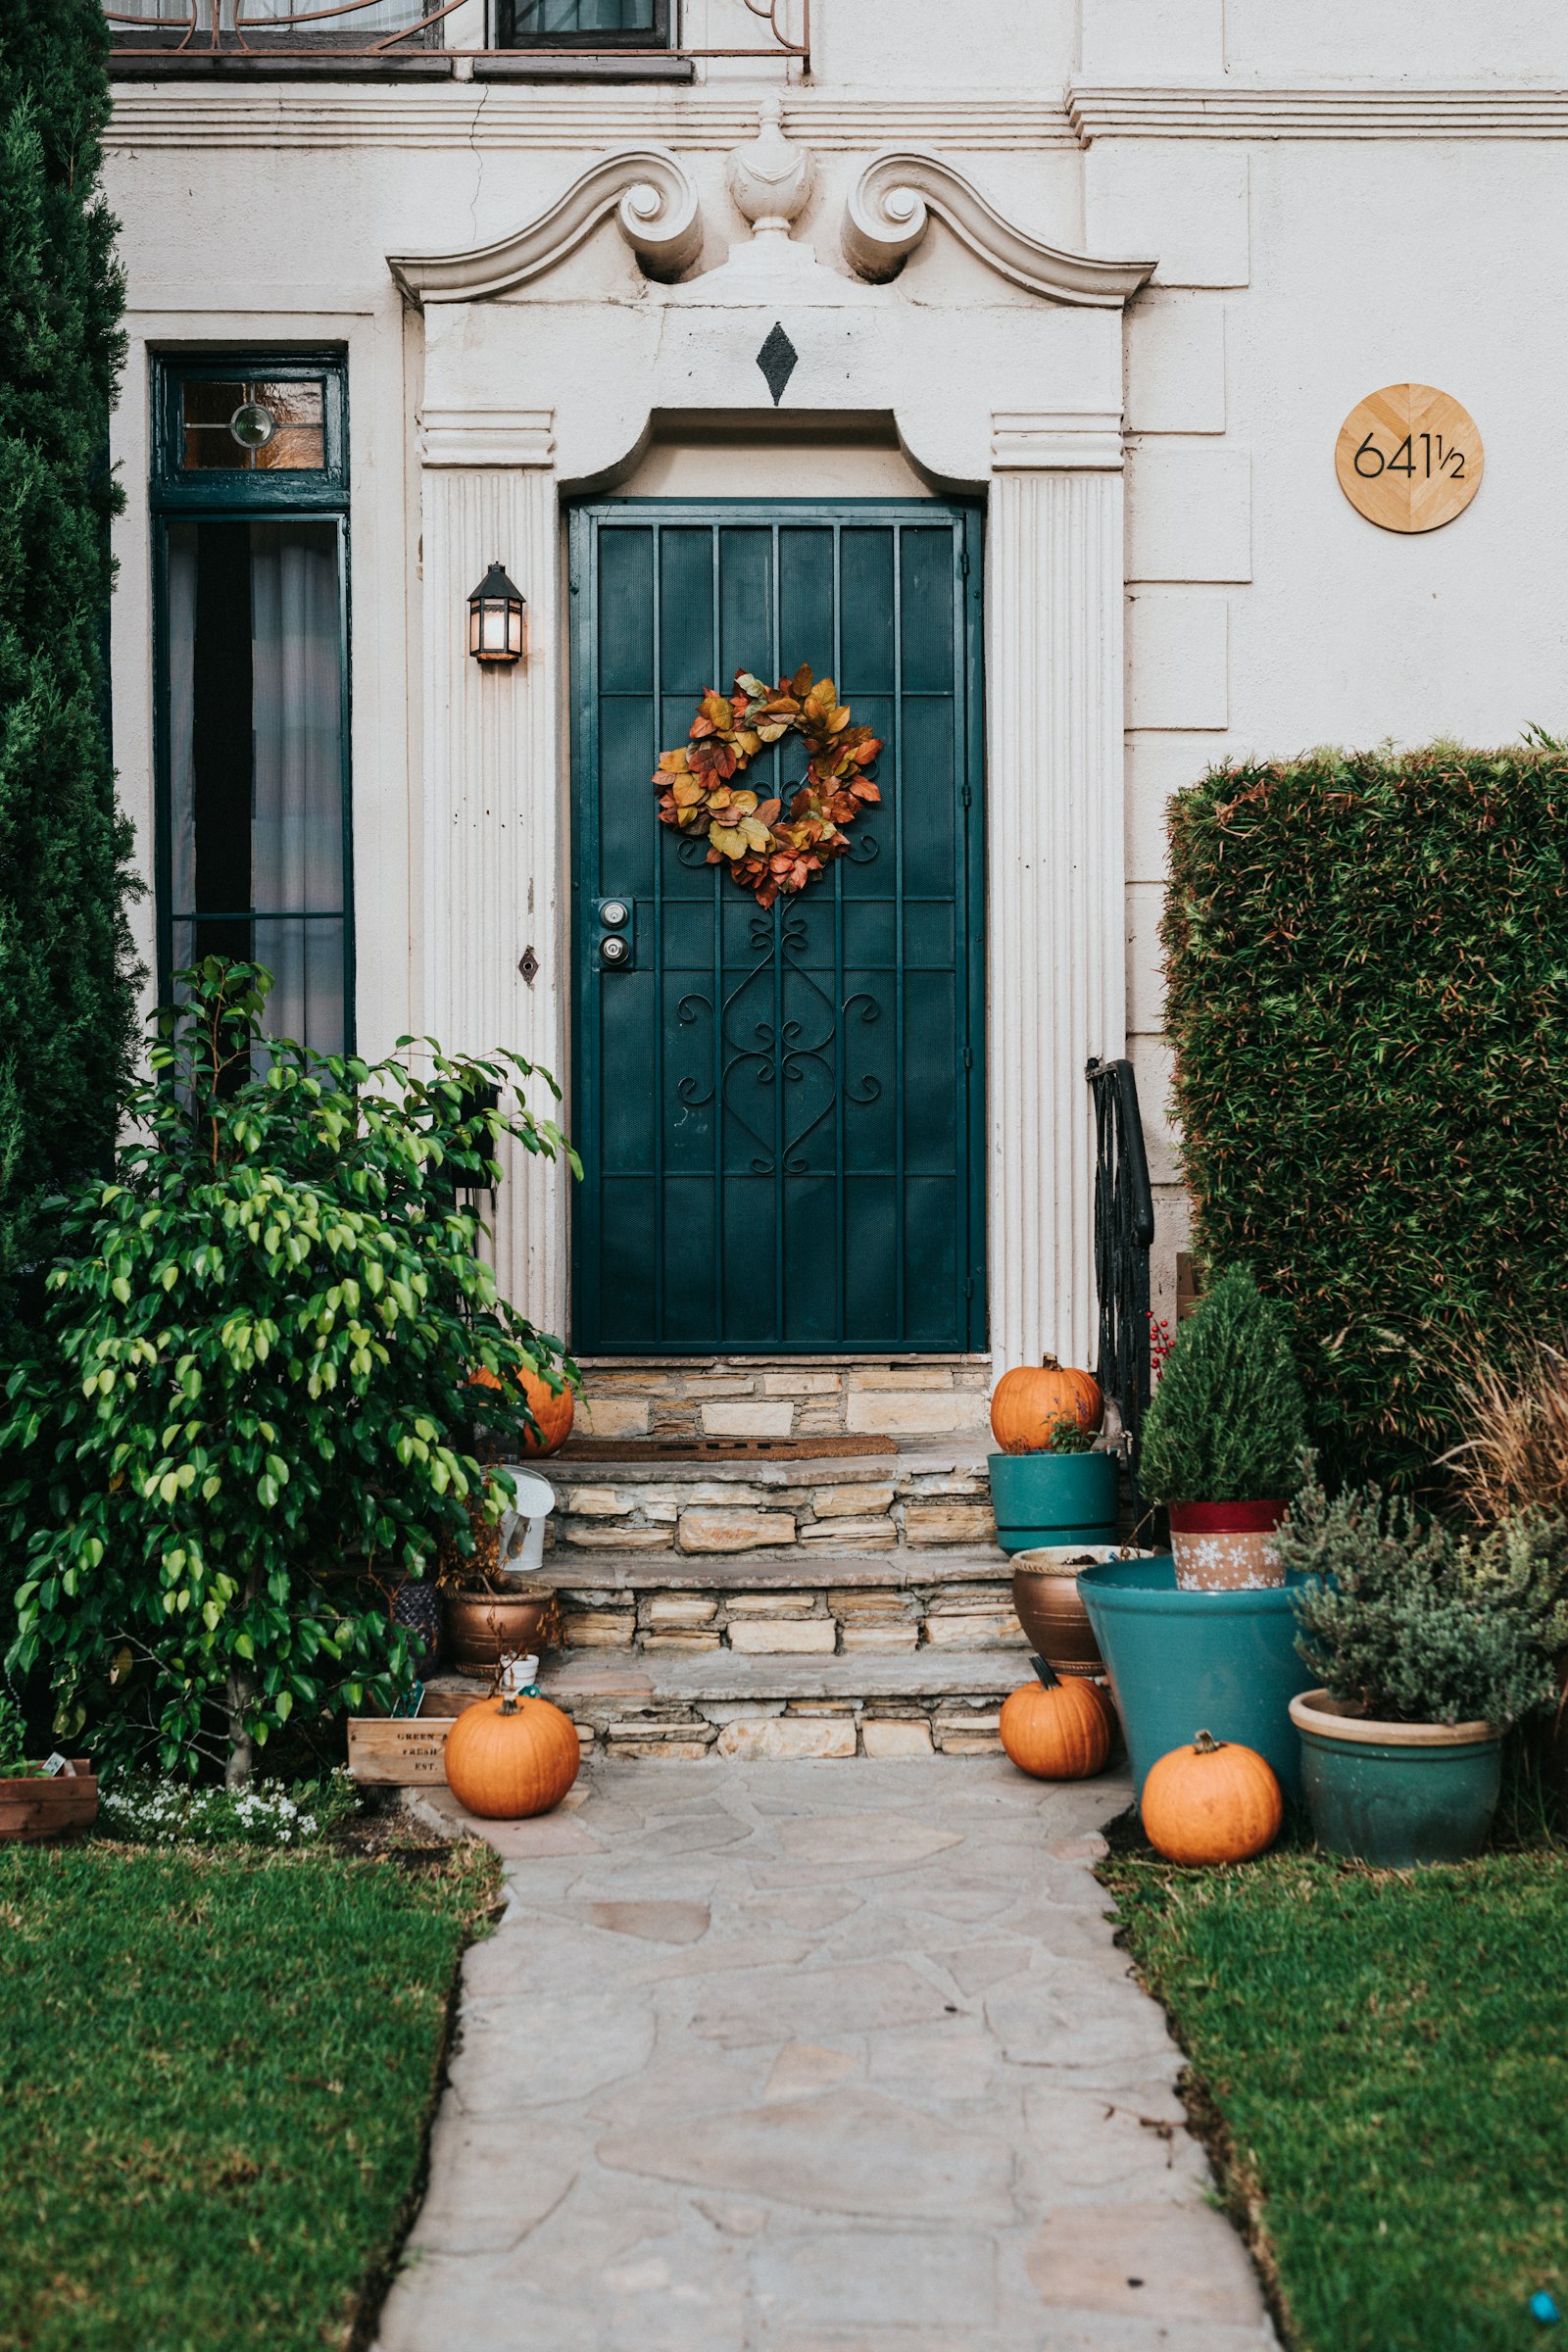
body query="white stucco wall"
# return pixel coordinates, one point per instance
(1340, 197)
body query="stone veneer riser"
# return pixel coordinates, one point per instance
(905, 1501)
(779, 1397)
(772, 1614)
(627, 1706)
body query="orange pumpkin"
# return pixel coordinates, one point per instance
(1056, 1728)
(1029, 1401)
(1215, 1801)
(510, 1757)
(553, 1409)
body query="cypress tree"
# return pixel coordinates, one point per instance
(67, 981)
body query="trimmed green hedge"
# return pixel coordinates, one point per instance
(1367, 959)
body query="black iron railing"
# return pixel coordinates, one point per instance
(1124, 1232)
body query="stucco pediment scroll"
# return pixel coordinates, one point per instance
(889, 211)
(657, 210)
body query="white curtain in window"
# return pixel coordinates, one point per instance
(357, 27)
(297, 790)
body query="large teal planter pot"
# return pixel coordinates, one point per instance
(1420, 1793)
(1182, 1663)
(1045, 1499)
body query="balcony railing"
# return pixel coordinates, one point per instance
(382, 30)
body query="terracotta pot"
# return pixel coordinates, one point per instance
(1049, 1607)
(1226, 1546)
(33, 1810)
(483, 1628)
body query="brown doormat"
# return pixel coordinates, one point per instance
(719, 1450)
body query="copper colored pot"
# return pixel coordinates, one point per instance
(1054, 1620)
(483, 1628)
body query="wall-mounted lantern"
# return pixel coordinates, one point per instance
(498, 619)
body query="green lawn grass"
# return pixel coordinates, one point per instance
(1382, 2065)
(217, 2070)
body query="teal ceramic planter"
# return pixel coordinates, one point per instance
(1397, 1795)
(1182, 1663)
(1045, 1499)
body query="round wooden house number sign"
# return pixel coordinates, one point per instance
(1409, 458)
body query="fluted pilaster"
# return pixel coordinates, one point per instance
(493, 828)
(1057, 987)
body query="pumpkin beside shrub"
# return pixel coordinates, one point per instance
(1056, 1728)
(1215, 1801)
(508, 1758)
(554, 1409)
(1030, 1400)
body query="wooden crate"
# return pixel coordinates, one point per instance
(398, 1753)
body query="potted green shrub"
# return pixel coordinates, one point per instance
(1223, 1438)
(1427, 1646)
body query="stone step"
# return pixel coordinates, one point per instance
(628, 1705)
(924, 1397)
(786, 1603)
(905, 1498)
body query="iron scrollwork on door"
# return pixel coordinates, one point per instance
(771, 1046)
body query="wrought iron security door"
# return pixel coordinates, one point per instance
(780, 1113)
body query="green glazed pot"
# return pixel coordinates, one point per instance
(1182, 1663)
(1046, 1498)
(1397, 1795)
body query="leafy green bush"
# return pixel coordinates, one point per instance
(1410, 1624)
(1367, 959)
(1227, 1423)
(250, 1407)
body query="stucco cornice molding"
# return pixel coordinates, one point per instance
(890, 208)
(1056, 441)
(1238, 110)
(650, 192)
(482, 437)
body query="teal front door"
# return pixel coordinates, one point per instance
(780, 1113)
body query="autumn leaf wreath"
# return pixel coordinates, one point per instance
(765, 851)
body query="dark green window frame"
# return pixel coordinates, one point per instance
(513, 33)
(230, 494)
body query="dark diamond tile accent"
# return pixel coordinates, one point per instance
(777, 360)
(528, 965)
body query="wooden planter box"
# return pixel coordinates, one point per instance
(34, 1810)
(387, 1753)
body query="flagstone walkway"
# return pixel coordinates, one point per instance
(814, 2058)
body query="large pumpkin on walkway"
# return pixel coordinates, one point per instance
(1056, 1728)
(1030, 1400)
(508, 1758)
(1215, 1801)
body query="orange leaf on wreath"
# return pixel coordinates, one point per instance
(764, 854)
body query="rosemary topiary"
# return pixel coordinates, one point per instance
(1227, 1423)
(1407, 1623)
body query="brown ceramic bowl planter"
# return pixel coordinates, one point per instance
(483, 1628)
(35, 1807)
(1049, 1607)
